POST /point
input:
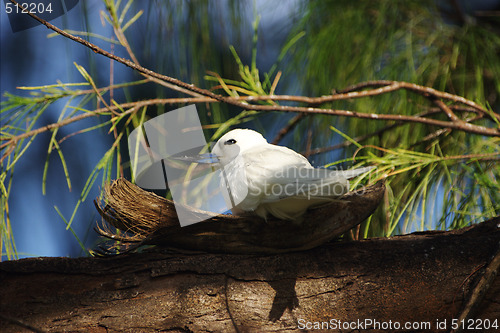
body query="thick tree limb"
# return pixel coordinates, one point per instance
(418, 278)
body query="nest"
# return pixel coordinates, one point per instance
(144, 218)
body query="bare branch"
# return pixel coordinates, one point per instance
(100, 111)
(203, 95)
(447, 110)
(386, 86)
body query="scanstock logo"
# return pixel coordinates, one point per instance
(170, 152)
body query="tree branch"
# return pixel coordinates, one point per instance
(387, 86)
(203, 95)
(411, 278)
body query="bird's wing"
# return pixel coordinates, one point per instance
(249, 177)
(261, 165)
(308, 183)
(277, 172)
(274, 158)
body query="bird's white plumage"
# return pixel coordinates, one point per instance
(269, 179)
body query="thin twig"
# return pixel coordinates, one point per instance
(357, 139)
(478, 293)
(124, 41)
(447, 110)
(111, 95)
(447, 158)
(363, 85)
(14, 140)
(384, 86)
(431, 136)
(96, 112)
(307, 152)
(362, 138)
(291, 124)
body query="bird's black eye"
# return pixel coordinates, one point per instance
(230, 142)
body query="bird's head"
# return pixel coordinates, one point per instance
(235, 142)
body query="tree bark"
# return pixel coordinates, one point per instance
(418, 278)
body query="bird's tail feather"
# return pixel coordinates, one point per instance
(311, 183)
(307, 175)
(354, 172)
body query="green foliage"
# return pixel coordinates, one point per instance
(349, 42)
(19, 114)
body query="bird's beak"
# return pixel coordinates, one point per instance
(206, 158)
(194, 156)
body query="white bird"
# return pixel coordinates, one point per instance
(268, 179)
